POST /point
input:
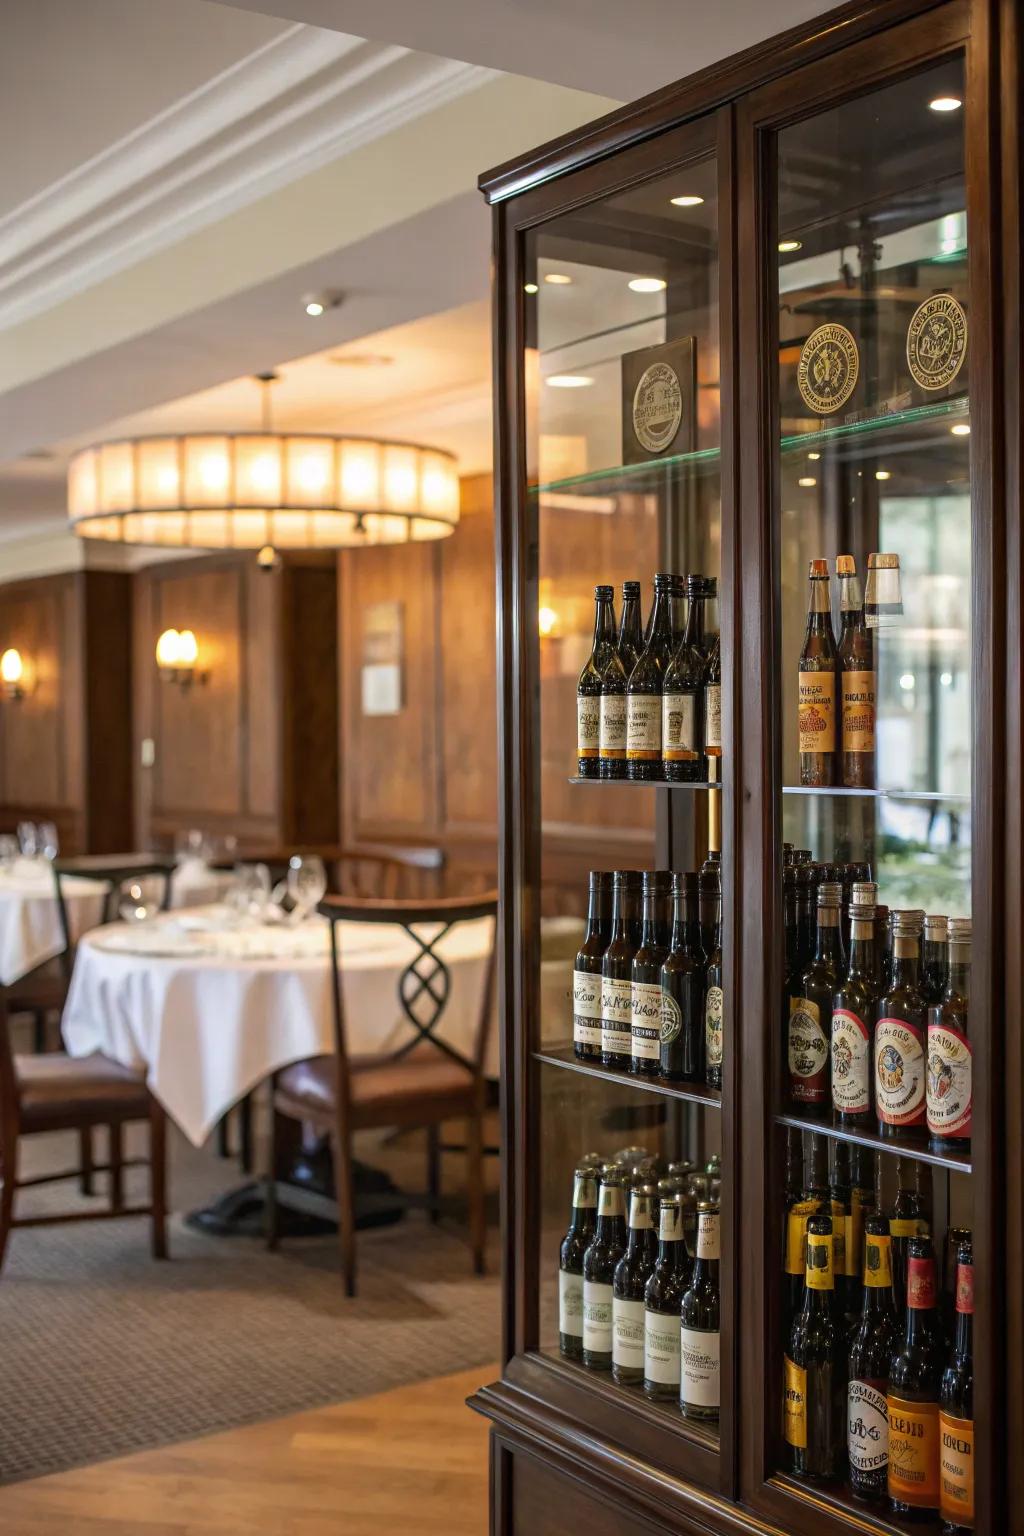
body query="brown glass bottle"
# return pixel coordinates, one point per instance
(799, 1206)
(603, 1253)
(857, 681)
(949, 1090)
(588, 689)
(645, 1049)
(714, 1003)
(617, 971)
(810, 1012)
(682, 989)
(699, 1323)
(819, 665)
(915, 1374)
(662, 1296)
(570, 1261)
(935, 958)
(632, 1273)
(956, 1410)
(682, 723)
(586, 976)
(867, 1421)
(644, 690)
(863, 1177)
(710, 879)
(910, 1217)
(898, 1047)
(713, 712)
(631, 635)
(853, 1016)
(955, 1236)
(816, 1366)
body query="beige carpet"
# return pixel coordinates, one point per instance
(106, 1352)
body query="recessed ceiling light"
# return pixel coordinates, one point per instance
(814, 455)
(945, 103)
(647, 284)
(529, 287)
(314, 307)
(961, 429)
(569, 380)
(785, 246)
(883, 474)
(688, 200)
(806, 481)
(558, 279)
(317, 304)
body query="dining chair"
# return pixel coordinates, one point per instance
(422, 1083)
(57, 1092)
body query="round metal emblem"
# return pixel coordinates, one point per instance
(828, 368)
(657, 407)
(937, 341)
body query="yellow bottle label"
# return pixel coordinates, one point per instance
(817, 712)
(796, 1235)
(956, 1470)
(820, 1274)
(911, 1226)
(914, 1452)
(795, 1416)
(878, 1262)
(858, 711)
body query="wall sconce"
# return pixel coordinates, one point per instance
(13, 674)
(547, 623)
(177, 653)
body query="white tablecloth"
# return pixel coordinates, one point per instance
(30, 931)
(218, 1011)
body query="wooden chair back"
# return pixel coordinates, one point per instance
(111, 869)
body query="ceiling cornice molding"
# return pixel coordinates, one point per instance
(302, 100)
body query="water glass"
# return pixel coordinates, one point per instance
(307, 884)
(140, 899)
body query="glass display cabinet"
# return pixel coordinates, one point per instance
(758, 337)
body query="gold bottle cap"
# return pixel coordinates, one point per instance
(883, 562)
(819, 568)
(959, 928)
(846, 565)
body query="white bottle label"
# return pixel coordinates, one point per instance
(628, 1331)
(678, 727)
(851, 1063)
(613, 725)
(899, 1072)
(570, 1304)
(709, 1235)
(597, 1318)
(616, 1016)
(643, 727)
(699, 1367)
(588, 725)
(949, 1081)
(713, 1006)
(661, 1347)
(586, 1008)
(646, 1020)
(713, 717)
(867, 1427)
(808, 1052)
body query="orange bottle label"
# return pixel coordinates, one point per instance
(795, 1419)
(817, 712)
(956, 1468)
(914, 1453)
(858, 711)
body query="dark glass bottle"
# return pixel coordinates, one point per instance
(678, 610)
(915, 1374)
(867, 1422)
(839, 1205)
(949, 1090)
(714, 1005)
(586, 976)
(883, 945)
(611, 737)
(617, 971)
(646, 979)
(682, 723)
(682, 989)
(644, 690)
(603, 1253)
(710, 879)
(632, 1273)
(699, 1320)
(790, 926)
(935, 958)
(910, 1217)
(898, 1048)
(798, 1208)
(818, 667)
(570, 1261)
(631, 634)
(713, 712)
(857, 681)
(810, 1012)
(815, 1367)
(955, 1237)
(853, 1017)
(863, 1203)
(588, 689)
(662, 1296)
(956, 1410)
(806, 913)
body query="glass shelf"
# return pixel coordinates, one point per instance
(936, 795)
(918, 1149)
(695, 1093)
(648, 784)
(886, 424)
(630, 478)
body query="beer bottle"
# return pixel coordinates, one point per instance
(853, 1015)
(899, 1039)
(682, 990)
(662, 1296)
(699, 1312)
(839, 1204)
(790, 927)
(915, 1374)
(710, 879)
(586, 976)
(815, 1367)
(570, 1261)
(810, 1012)
(679, 611)
(935, 958)
(857, 673)
(713, 712)
(588, 689)
(863, 1174)
(910, 1217)
(867, 1420)
(682, 726)
(806, 913)
(644, 690)
(632, 1273)
(714, 1005)
(646, 980)
(949, 1091)
(956, 1410)
(603, 1252)
(818, 666)
(798, 1208)
(955, 1237)
(617, 971)
(631, 637)
(611, 740)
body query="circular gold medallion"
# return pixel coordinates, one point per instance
(828, 368)
(937, 341)
(657, 407)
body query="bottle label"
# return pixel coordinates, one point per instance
(949, 1081)
(817, 716)
(570, 1304)
(679, 728)
(661, 1347)
(628, 1333)
(699, 1367)
(920, 1284)
(914, 1452)
(796, 1235)
(956, 1470)
(612, 734)
(878, 1262)
(709, 1238)
(713, 1007)
(858, 711)
(851, 1063)
(616, 1016)
(597, 1318)
(671, 1019)
(899, 1072)
(853, 1227)
(586, 1008)
(820, 1274)
(643, 728)
(795, 1420)
(867, 1426)
(646, 1043)
(908, 1226)
(588, 725)
(808, 1052)
(713, 719)
(965, 1288)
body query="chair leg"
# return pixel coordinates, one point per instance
(223, 1145)
(345, 1194)
(85, 1159)
(9, 1170)
(116, 1131)
(271, 1214)
(39, 1031)
(434, 1170)
(475, 1192)
(158, 1179)
(245, 1133)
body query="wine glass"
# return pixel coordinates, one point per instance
(307, 884)
(48, 842)
(9, 851)
(28, 839)
(140, 899)
(251, 894)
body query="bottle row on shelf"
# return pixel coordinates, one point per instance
(638, 1278)
(648, 701)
